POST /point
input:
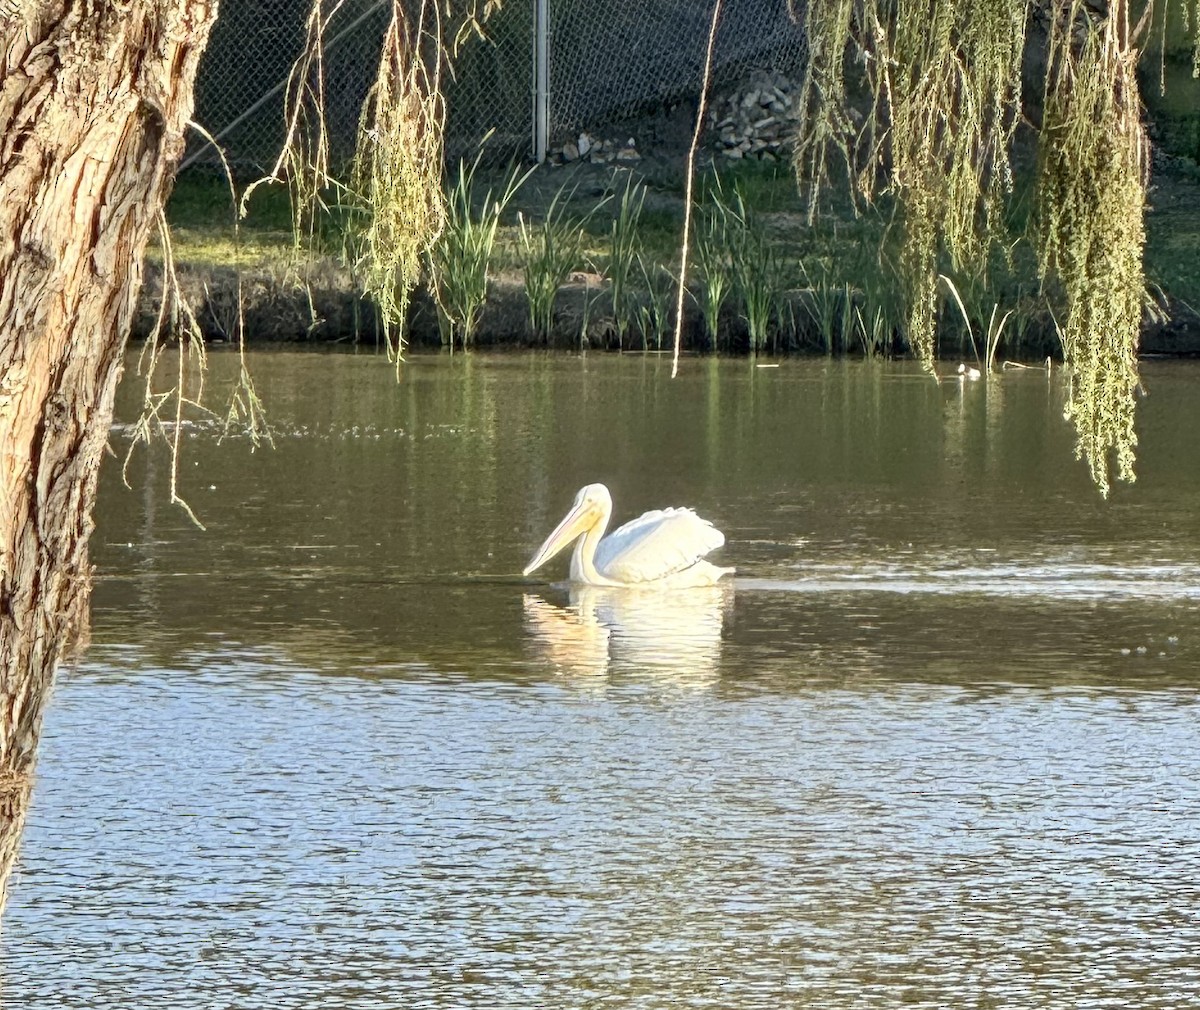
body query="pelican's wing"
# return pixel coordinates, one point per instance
(656, 545)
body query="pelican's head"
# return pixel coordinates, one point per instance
(592, 505)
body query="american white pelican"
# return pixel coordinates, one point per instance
(663, 549)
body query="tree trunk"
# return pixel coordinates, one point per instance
(94, 100)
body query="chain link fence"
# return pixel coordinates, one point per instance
(241, 84)
(609, 59)
(624, 57)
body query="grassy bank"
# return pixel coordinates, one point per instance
(761, 278)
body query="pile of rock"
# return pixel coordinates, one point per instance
(759, 119)
(598, 152)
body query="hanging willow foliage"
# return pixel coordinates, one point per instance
(395, 188)
(945, 88)
(398, 161)
(1191, 21)
(942, 82)
(397, 173)
(1091, 190)
(303, 161)
(827, 127)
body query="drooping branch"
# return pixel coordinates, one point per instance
(944, 84)
(944, 80)
(398, 161)
(690, 178)
(1090, 233)
(394, 190)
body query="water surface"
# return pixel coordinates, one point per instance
(935, 745)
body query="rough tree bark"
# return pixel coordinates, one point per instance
(94, 100)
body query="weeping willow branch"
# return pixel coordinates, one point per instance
(174, 315)
(395, 186)
(943, 80)
(945, 86)
(176, 318)
(1092, 189)
(1191, 22)
(303, 161)
(827, 124)
(398, 163)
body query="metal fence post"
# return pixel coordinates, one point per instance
(541, 79)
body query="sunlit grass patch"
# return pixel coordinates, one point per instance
(201, 219)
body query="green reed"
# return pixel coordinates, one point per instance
(460, 261)
(655, 309)
(824, 303)
(715, 266)
(757, 269)
(991, 337)
(624, 251)
(757, 272)
(881, 312)
(550, 250)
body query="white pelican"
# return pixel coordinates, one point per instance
(663, 549)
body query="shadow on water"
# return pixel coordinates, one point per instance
(971, 622)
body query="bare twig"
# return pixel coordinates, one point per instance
(691, 165)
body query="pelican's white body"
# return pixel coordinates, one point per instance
(663, 549)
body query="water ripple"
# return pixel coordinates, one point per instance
(1058, 580)
(296, 839)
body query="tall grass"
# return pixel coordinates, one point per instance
(757, 270)
(460, 260)
(549, 250)
(585, 317)
(624, 251)
(716, 267)
(736, 258)
(758, 276)
(823, 303)
(881, 313)
(655, 308)
(993, 334)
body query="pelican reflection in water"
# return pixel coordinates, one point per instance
(663, 549)
(676, 636)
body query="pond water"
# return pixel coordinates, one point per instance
(935, 745)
